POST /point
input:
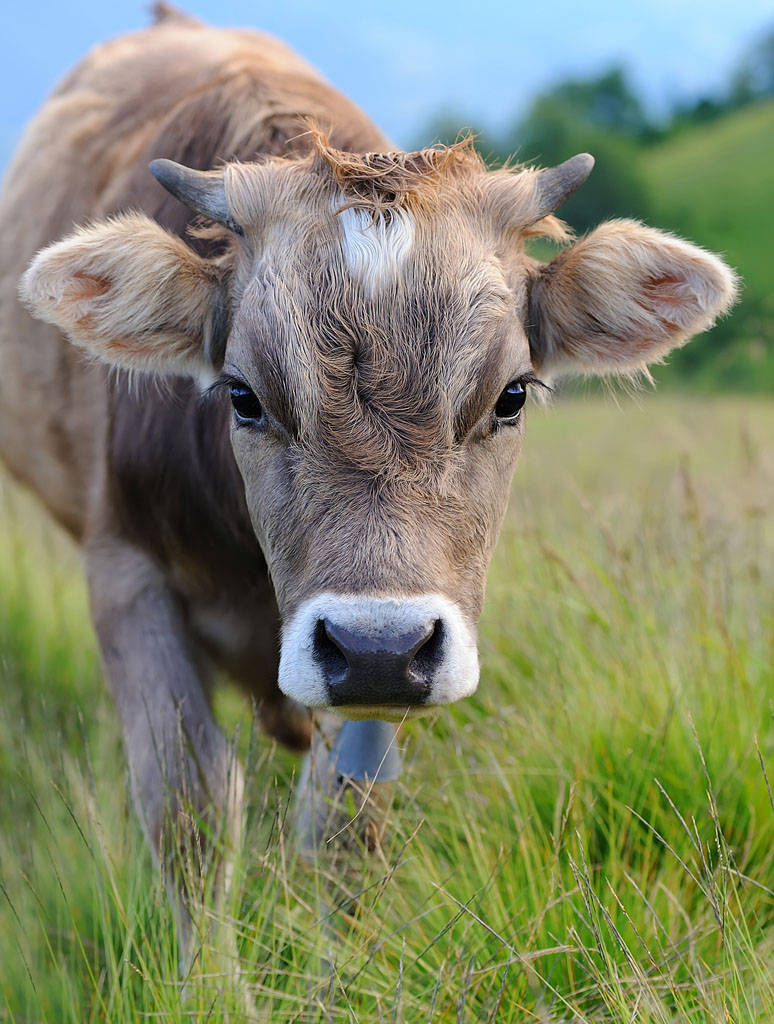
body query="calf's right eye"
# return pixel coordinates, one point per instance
(245, 402)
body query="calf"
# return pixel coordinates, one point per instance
(303, 419)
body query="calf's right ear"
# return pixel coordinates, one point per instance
(131, 294)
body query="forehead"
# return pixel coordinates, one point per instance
(410, 302)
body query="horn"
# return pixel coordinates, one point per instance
(202, 191)
(556, 184)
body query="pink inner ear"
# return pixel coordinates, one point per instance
(672, 300)
(667, 288)
(88, 286)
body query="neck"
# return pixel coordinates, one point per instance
(175, 483)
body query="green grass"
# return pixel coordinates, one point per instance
(590, 838)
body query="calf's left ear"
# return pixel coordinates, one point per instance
(132, 295)
(623, 297)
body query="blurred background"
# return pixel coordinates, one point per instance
(675, 100)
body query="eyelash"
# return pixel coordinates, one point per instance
(530, 378)
(225, 380)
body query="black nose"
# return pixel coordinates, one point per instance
(387, 667)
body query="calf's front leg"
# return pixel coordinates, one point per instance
(182, 770)
(358, 759)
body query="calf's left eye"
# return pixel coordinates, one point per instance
(511, 402)
(246, 405)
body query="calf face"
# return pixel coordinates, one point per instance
(377, 326)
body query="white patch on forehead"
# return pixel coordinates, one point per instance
(375, 246)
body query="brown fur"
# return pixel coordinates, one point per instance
(382, 181)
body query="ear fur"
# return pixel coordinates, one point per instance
(131, 294)
(622, 297)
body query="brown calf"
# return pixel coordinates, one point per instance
(346, 348)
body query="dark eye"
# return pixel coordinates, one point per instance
(511, 401)
(246, 405)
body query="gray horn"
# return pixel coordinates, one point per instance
(556, 184)
(202, 191)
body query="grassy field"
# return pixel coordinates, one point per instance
(591, 838)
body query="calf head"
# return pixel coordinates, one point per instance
(377, 325)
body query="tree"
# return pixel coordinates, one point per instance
(601, 116)
(606, 102)
(754, 76)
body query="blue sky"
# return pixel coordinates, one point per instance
(405, 60)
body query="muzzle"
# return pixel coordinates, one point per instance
(378, 656)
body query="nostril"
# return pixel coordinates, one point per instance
(381, 664)
(330, 656)
(428, 655)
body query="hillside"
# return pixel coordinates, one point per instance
(714, 183)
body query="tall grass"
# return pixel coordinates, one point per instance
(590, 838)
